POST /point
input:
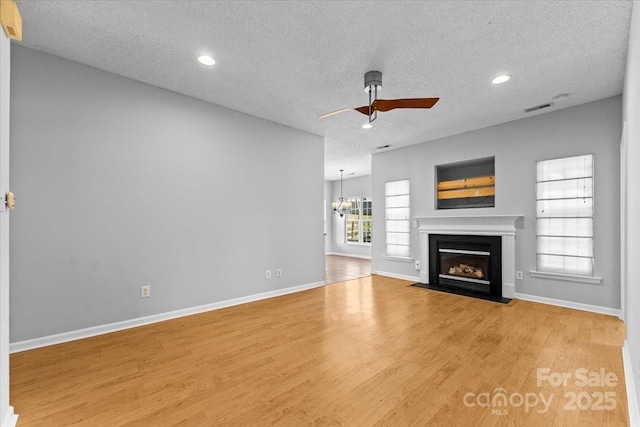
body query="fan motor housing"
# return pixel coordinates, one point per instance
(372, 79)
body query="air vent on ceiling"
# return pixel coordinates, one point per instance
(382, 147)
(538, 107)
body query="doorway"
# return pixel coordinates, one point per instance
(340, 268)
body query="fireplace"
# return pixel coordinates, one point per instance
(502, 227)
(469, 263)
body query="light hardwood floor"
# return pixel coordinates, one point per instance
(340, 268)
(372, 351)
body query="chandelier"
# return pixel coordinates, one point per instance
(341, 207)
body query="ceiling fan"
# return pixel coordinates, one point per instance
(373, 82)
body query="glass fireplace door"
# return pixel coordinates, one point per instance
(463, 265)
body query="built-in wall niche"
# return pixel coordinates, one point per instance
(468, 184)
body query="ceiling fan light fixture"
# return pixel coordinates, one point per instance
(500, 79)
(368, 89)
(367, 126)
(206, 60)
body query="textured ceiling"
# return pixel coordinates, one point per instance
(291, 61)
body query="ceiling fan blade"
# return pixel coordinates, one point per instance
(387, 105)
(334, 112)
(364, 110)
(390, 104)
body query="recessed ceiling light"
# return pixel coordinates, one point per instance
(367, 126)
(206, 60)
(500, 79)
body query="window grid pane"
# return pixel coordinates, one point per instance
(398, 238)
(359, 222)
(397, 201)
(398, 250)
(573, 246)
(564, 218)
(567, 189)
(401, 214)
(397, 215)
(566, 168)
(353, 231)
(569, 227)
(366, 231)
(394, 188)
(565, 208)
(398, 226)
(566, 264)
(354, 211)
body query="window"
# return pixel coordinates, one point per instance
(564, 219)
(397, 214)
(358, 223)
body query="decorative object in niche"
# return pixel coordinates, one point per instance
(468, 184)
(469, 187)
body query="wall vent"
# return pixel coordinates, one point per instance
(538, 107)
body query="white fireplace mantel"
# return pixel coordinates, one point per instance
(482, 225)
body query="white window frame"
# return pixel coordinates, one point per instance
(398, 227)
(564, 233)
(358, 201)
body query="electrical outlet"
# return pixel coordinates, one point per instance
(268, 274)
(145, 291)
(417, 264)
(278, 273)
(519, 275)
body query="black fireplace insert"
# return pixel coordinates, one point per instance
(467, 263)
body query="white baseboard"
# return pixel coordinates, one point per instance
(348, 255)
(31, 344)
(396, 276)
(10, 419)
(569, 304)
(632, 397)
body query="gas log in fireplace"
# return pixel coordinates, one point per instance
(466, 263)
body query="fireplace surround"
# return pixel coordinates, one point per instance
(503, 227)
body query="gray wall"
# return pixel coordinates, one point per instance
(631, 103)
(590, 128)
(122, 184)
(352, 187)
